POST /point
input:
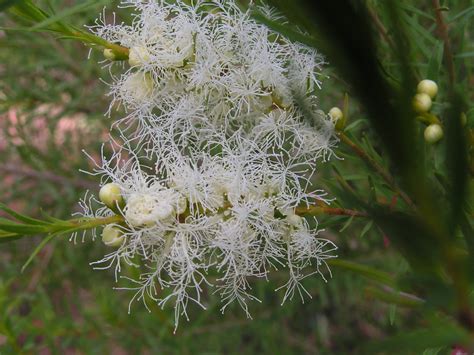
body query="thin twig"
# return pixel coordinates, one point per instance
(381, 28)
(377, 167)
(443, 33)
(315, 210)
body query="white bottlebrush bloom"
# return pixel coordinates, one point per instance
(147, 210)
(217, 62)
(136, 89)
(138, 56)
(224, 113)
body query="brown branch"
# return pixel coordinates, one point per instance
(381, 28)
(315, 210)
(443, 33)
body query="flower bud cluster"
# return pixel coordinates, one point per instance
(216, 154)
(422, 102)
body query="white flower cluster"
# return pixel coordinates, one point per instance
(216, 155)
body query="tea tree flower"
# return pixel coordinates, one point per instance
(136, 89)
(138, 56)
(216, 154)
(148, 209)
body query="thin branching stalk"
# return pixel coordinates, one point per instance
(443, 33)
(319, 210)
(378, 168)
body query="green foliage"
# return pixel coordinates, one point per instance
(403, 280)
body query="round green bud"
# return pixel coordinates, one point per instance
(428, 87)
(336, 114)
(433, 133)
(109, 54)
(422, 103)
(111, 195)
(112, 236)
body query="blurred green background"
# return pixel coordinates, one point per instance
(52, 105)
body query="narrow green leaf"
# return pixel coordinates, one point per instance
(394, 297)
(6, 239)
(465, 55)
(285, 30)
(355, 124)
(466, 12)
(347, 224)
(468, 233)
(69, 11)
(4, 234)
(367, 227)
(28, 11)
(372, 191)
(5, 4)
(21, 217)
(38, 249)
(416, 341)
(417, 11)
(435, 62)
(432, 351)
(392, 312)
(17, 228)
(364, 270)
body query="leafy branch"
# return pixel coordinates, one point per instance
(23, 226)
(37, 19)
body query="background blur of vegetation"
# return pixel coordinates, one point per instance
(51, 107)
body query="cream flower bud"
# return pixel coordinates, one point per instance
(336, 114)
(111, 195)
(138, 56)
(433, 133)
(422, 103)
(112, 236)
(428, 87)
(109, 54)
